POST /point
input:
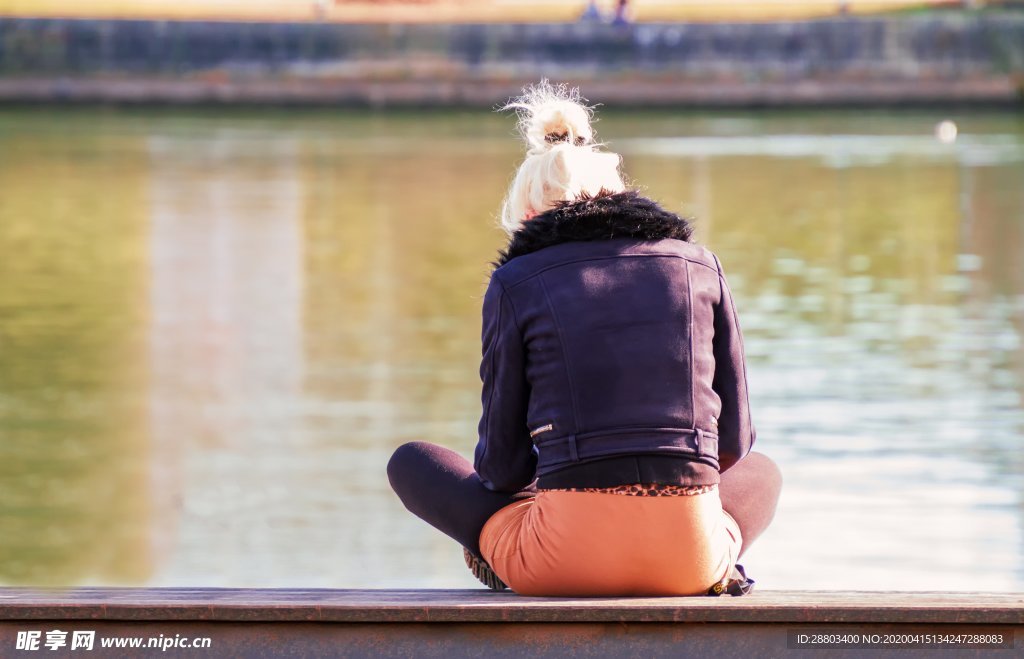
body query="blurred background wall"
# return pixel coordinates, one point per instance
(842, 54)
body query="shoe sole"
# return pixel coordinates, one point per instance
(482, 571)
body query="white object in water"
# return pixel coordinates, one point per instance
(945, 131)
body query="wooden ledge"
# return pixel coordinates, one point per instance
(458, 606)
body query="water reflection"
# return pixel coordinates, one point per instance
(76, 501)
(226, 254)
(215, 328)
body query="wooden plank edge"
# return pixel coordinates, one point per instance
(370, 606)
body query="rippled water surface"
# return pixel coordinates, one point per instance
(215, 327)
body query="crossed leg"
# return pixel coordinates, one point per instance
(440, 487)
(750, 493)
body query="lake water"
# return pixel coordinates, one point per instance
(216, 326)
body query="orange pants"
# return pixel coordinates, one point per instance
(604, 544)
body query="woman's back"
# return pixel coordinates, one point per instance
(614, 330)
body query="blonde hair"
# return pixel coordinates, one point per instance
(563, 162)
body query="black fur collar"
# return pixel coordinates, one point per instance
(600, 217)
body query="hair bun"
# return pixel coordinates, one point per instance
(562, 163)
(550, 115)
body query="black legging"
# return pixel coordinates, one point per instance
(440, 487)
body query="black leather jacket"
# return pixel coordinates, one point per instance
(611, 353)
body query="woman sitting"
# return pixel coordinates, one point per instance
(614, 444)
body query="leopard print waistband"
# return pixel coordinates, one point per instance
(643, 489)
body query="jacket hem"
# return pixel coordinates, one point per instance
(694, 444)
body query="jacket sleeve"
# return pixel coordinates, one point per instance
(504, 456)
(736, 432)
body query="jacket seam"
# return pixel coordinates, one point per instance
(565, 355)
(693, 383)
(743, 362)
(494, 350)
(718, 271)
(511, 303)
(743, 373)
(604, 258)
(626, 430)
